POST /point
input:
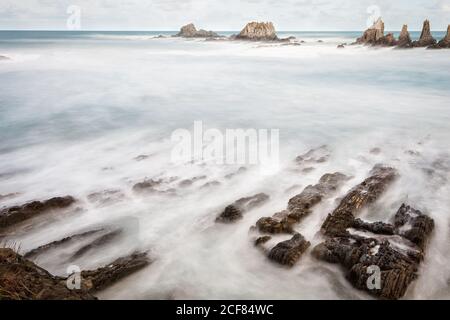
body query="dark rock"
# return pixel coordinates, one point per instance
(289, 252)
(262, 240)
(413, 225)
(375, 151)
(147, 185)
(360, 196)
(426, 39)
(444, 43)
(258, 31)
(317, 155)
(188, 182)
(387, 41)
(141, 157)
(404, 40)
(16, 214)
(189, 31)
(340, 46)
(374, 227)
(302, 204)
(21, 279)
(101, 278)
(235, 211)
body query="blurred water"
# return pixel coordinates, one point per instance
(76, 108)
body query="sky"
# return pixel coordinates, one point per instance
(221, 15)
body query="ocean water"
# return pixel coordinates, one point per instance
(77, 108)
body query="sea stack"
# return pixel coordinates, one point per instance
(404, 40)
(258, 31)
(189, 31)
(445, 42)
(373, 34)
(426, 39)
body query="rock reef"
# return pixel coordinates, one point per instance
(258, 31)
(236, 210)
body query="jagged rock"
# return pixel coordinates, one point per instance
(358, 255)
(261, 240)
(444, 43)
(373, 34)
(288, 252)
(260, 31)
(413, 225)
(317, 155)
(188, 182)
(21, 279)
(101, 278)
(189, 31)
(404, 40)
(236, 210)
(16, 214)
(362, 195)
(426, 39)
(301, 205)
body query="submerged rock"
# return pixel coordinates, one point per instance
(236, 210)
(426, 39)
(404, 40)
(289, 252)
(373, 34)
(260, 31)
(189, 31)
(21, 279)
(16, 214)
(360, 196)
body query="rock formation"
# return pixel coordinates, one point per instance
(289, 252)
(236, 210)
(404, 40)
(396, 256)
(426, 39)
(444, 43)
(373, 34)
(259, 31)
(387, 40)
(189, 31)
(16, 214)
(21, 279)
(363, 194)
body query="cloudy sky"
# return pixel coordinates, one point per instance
(223, 14)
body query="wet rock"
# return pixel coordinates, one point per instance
(189, 31)
(444, 43)
(320, 41)
(373, 34)
(375, 151)
(302, 204)
(404, 40)
(374, 227)
(360, 196)
(141, 157)
(74, 238)
(426, 39)
(21, 279)
(97, 243)
(101, 278)
(106, 196)
(360, 256)
(387, 41)
(289, 252)
(147, 185)
(210, 184)
(16, 214)
(317, 155)
(341, 46)
(413, 225)
(236, 210)
(308, 169)
(259, 31)
(262, 240)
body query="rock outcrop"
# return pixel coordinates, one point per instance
(236, 210)
(396, 257)
(3, 58)
(373, 34)
(289, 252)
(404, 40)
(16, 214)
(190, 31)
(362, 195)
(21, 279)
(426, 39)
(259, 31)
(301, 205)
(387, 41)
